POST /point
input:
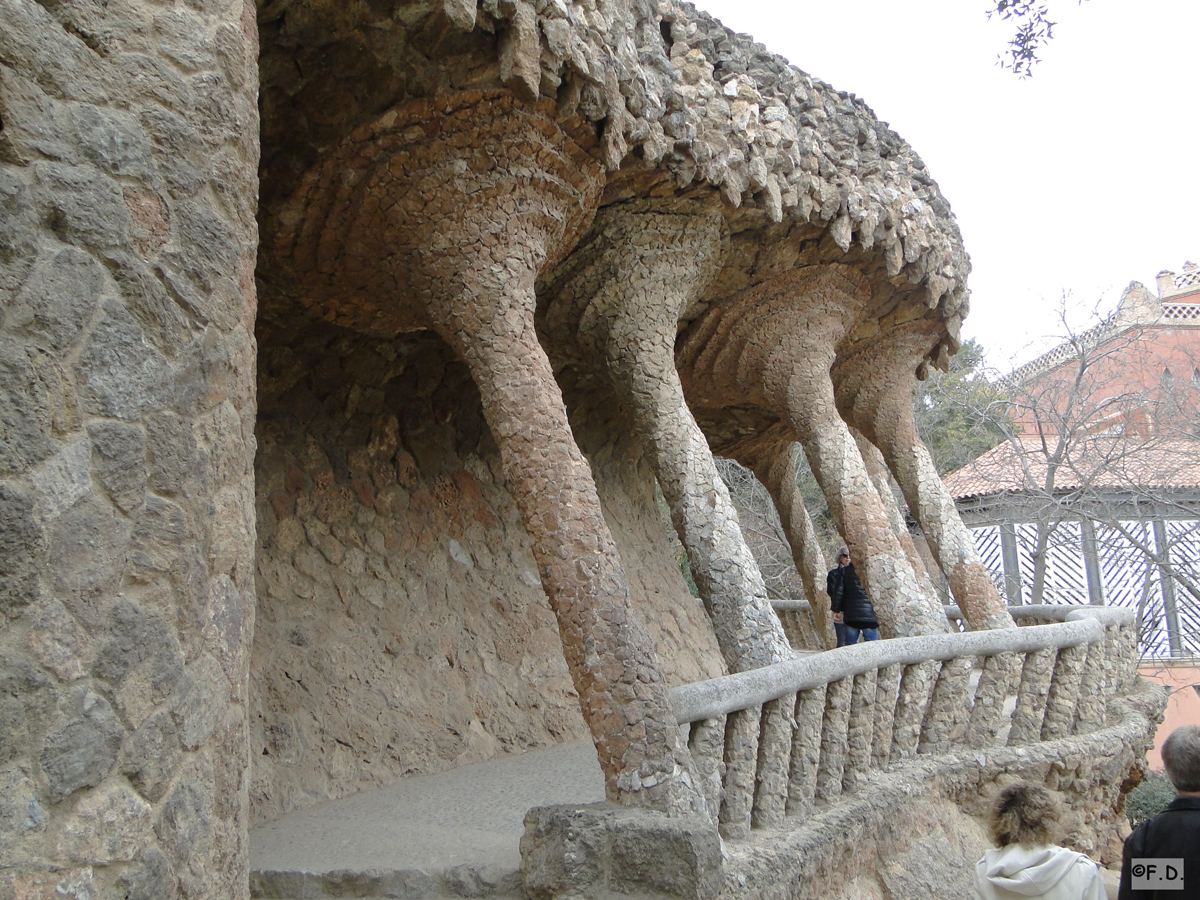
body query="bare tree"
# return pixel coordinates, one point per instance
(1095, 483)
(762, 529)
(1034, 29)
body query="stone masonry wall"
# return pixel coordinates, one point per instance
(402, 628)
(128, 158)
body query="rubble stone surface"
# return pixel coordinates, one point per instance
(128, 194)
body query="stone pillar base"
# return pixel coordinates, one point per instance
(602, 851)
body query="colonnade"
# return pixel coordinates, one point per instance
(481, 218)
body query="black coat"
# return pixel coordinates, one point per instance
(846, 595)
(1173, 834)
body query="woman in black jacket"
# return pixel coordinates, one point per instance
(853, 613)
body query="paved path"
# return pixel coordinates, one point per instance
(469, 817)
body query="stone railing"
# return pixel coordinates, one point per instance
(796, 616)
(783, 740)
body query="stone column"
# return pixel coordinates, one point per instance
(775, 468)
(882, 479)
(875, 390)
(127, 408)
(775, 345)
(503, 194)
(624, 294)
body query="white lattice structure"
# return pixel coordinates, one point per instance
(1107, 567)
(1118, 521)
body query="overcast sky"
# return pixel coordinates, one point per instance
(1080, 179)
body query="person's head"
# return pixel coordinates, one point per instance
(843, 557)
(1181, 759)
(1024, 813)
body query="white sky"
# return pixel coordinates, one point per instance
(1080, 179)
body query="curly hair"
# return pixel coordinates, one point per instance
(1024, 813)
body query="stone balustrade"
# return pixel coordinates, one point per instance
(783, 740)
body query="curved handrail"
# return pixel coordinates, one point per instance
(776, 741)
(720, 696)
(1108, 615)
(800, 611)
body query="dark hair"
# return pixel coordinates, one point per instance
(1024, 813)
(1181, 758)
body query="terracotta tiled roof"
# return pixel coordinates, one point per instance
(1104, 463)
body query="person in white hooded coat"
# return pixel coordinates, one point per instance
(1026, 863)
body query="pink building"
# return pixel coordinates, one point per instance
(1095, 496)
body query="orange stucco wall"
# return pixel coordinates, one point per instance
(1184, 706)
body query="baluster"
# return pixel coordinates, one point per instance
(774, 756)
(1092, 711)
(1127, 641)
(944, 725)
(1059, 720)
(991, 694)
(887, 689)
(806, 751)
(1031, 697)
(833, 739)
(910, 707)
(741, 755)
(1112, 656)
(808, 626)
(707, 745)
(860, 731)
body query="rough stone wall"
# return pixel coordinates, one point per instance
(128, 157)
(402, 628)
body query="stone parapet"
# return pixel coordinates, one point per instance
(918, 828)
(888, 701)
(915, 824)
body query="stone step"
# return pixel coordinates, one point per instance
(399, 884)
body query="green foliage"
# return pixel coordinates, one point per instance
(960, 413)
(1149, 798)
(681, 559)
(685, 569)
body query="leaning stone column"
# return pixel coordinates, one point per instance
(775, 468)
(882, 479)
(468, 245)
(875, 390)
(775, 344)
(640, 270)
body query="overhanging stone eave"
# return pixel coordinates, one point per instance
(672, 95)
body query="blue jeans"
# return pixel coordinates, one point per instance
(852, 633)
